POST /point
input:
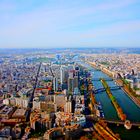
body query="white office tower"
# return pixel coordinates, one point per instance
(68, 107)
(55, 84)
(71, 73)
(61, 74)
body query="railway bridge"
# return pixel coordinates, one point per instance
(99, 90)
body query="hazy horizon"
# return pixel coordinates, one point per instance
(75, 47)
(69, 24)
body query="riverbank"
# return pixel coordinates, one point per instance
(94, 105)
(126, 90)
(103, 69)
(118, 82)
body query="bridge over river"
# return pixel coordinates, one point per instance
(111, 121)
(128, 106)
(103, 89)
(106, 79)
(121, 122)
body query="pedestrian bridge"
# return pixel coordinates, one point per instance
(103, 89)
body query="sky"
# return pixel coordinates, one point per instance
(69, 23)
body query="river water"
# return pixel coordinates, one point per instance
(131, 110)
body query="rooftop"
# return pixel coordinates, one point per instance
(19, 113)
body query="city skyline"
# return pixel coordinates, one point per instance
(70, 24)
(65, 94)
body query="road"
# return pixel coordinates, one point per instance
(30, 105)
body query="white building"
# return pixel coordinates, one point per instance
(6, 102)
(61, 75)
(68, 107)
(55, 84)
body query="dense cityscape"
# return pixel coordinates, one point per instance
(69, 94)
(69, 69)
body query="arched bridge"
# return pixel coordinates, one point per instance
(103, 89)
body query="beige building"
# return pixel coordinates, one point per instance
(21, 102)
(68, 107)
(40, 119)
(51, 102)
(20, 114)
(44, 105)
